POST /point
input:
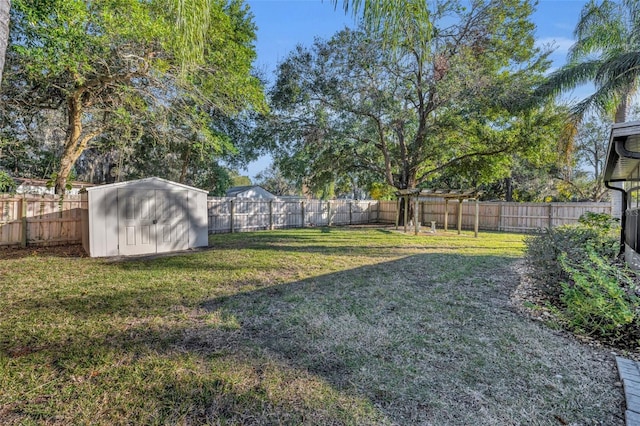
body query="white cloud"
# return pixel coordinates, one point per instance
(560, 45)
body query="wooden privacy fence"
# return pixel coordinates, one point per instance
(40, 220)
(241, 214)
(45, 220)
(498, 216)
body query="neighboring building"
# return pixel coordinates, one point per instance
(253, 191)
(39, 187)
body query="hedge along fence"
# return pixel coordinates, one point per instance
(242, 214)
(498, 216)
(40, 220)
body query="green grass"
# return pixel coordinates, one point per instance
(314, 326)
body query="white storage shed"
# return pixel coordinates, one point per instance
(144, 216)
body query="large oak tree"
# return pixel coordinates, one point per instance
(112, 64)
(450, 93)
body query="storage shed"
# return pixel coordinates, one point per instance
(144, 216)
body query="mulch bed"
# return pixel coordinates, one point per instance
(75, 250)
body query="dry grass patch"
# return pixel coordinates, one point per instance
(311, 326)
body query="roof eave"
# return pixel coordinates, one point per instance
(616, 151)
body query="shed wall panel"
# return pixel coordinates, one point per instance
(198, 232)
(110, 218)
(97, 229)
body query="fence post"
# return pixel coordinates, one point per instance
(500, 216)
(459, 215)
(416, 214)
(397, 212)
(23, 218)
(368, 212)
(406, 213)
(328, 212)
(477, 219)
(231, 211)
(302, 212)
(271, 215)
(350, 212)
(550, 216)
(446, 214)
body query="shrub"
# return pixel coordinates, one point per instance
(599, 221)
(7, 184)
(596, 233)
(599, 299)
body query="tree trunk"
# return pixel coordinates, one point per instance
(509, 189)
(75, 142)
(621, 111)
(186, 156)
(74, 130)
(5, 6)
(407, 181)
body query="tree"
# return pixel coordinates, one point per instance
(118, 63)
(591, 143)
(607, 54)
(5, 6)
(442, 98)
(275, 182)
(239, 180)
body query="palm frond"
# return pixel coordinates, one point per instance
(594, 15)
(606, 38)
(389, 16)
(622, 70)
(605, 100)
(601, 28)
(633, 15)
(568, 77)
(193, 20)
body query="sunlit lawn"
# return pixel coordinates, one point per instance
(314, 326)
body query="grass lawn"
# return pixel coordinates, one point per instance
(313, 326)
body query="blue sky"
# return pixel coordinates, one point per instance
(283, 24)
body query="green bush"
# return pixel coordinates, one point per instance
(599, 298)
(597, 233)
(7, 184)
(599, 221)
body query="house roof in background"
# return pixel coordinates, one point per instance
(43, 182)
(237, 190)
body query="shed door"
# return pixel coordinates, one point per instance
(173, 221)
(152, 221)
(136, 217)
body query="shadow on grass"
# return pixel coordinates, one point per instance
(426, 339)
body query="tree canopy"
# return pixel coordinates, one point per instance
(115, 69)
(452, 94)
